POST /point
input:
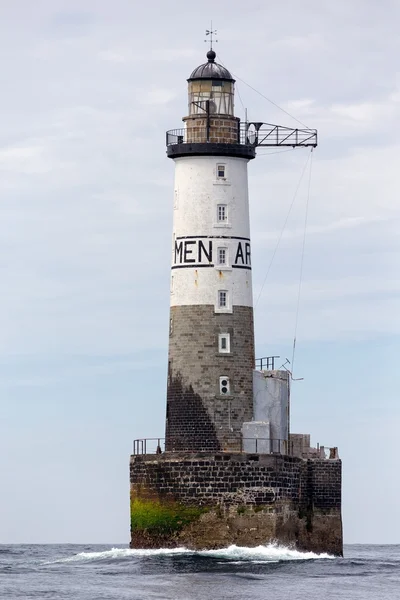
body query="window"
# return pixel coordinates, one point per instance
(221, 256)
(224, 387)
(222, 299)
(222, 214)
(218, 93)
(172, 284)
(224, 343)
(171, 327)
(220, 171)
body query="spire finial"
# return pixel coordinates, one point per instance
(211, 32)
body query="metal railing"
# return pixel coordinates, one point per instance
(148, 446)
(176, 136)
(248, 445)
(266, 362)
(249, 134)
(257, 445)
(266, 134)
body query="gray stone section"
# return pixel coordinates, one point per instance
(299, 444)
(301, 499)
(199, 417)
(203, 479)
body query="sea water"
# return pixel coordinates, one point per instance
(108, 572)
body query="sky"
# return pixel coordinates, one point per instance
(86, 200)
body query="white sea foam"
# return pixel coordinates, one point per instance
(237, 554)
(269, 553)
(117, 553)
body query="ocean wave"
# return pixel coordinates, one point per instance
(118, 553)
(269, 553)
(259, 554)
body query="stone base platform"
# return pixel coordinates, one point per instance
(211, 500)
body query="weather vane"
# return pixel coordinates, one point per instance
(211, 32)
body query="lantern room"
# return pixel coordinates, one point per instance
(211, 105)
(211, 89)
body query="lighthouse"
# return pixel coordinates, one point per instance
(211, 334)
(229, 470)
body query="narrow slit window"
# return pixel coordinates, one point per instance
(222, 299)
(220, 171)
(222, 214)
(224, 344)
(222, 256)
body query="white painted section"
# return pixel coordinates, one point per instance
(257, 437)
(271, 403)
(197, 234)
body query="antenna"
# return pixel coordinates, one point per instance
(287, 362)
(211, 32)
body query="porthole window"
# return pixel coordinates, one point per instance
(224, 387)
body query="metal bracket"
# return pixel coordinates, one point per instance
(266, 134)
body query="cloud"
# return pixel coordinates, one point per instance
(28, 373)
(24, 159)
(87, 190)
(86, 197)
(72, 21)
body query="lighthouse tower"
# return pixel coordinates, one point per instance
(232, 472)
(211, 333)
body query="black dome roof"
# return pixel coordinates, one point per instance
(211, 70)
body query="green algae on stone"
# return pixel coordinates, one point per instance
(161, 518)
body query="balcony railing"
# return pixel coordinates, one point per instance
(249, 445)
(266, 362)
(249, 134)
